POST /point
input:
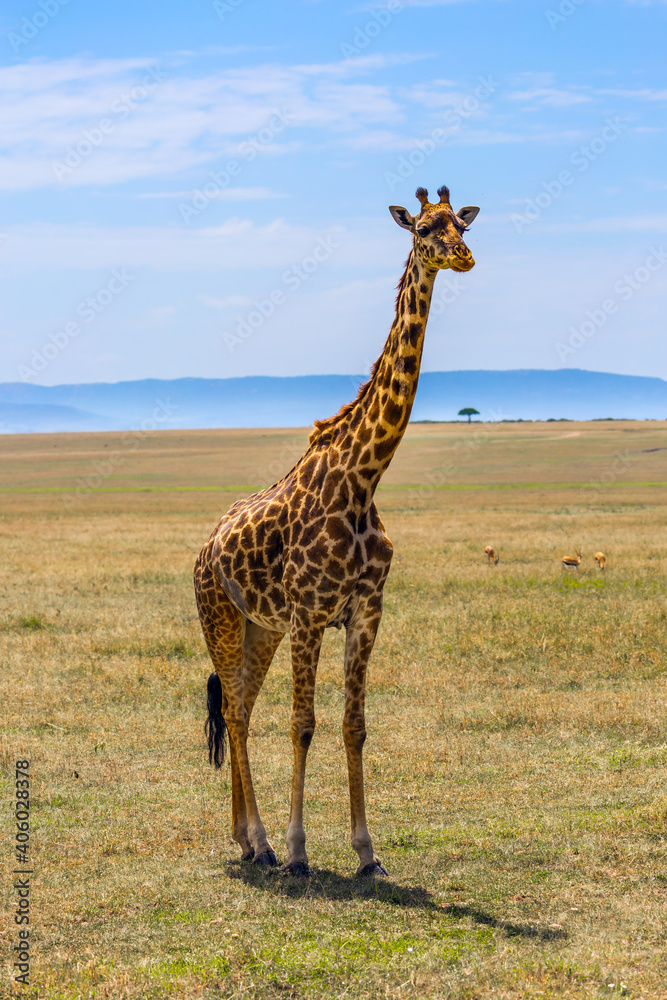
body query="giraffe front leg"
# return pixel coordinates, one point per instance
(359, 641)
(306, 639)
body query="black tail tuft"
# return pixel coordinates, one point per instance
(215, 726)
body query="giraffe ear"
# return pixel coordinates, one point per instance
(402, 217)
(468, 214)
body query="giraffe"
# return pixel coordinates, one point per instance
(310, 552)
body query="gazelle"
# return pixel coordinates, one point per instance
(491, 555)
(572, 561)
(600, 559)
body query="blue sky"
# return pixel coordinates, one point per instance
(201, 189)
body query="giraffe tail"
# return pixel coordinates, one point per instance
(215, 726)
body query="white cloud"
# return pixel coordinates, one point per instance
(75, 122)
(159, 315)
(227, 302)
(238, 243)
(241, 244)
(552, 96)
(645, 94)
(441, 94)
(613, 224)
(501, 137)
(441, 3)
(377, 139)
(225, 194)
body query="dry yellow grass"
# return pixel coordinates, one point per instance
(516, 715)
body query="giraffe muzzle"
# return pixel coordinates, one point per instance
(461, 259)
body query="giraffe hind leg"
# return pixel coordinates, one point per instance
(358, 645)
(258, 651)
(225, 629)
(306, 631)
(259, 647)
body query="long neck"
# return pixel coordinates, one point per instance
(379, 416)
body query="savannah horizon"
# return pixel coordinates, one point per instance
(270, 401)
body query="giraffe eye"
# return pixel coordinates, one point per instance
(423, 231)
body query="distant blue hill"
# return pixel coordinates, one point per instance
(263, 401)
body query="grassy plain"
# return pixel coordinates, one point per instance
(516, 715)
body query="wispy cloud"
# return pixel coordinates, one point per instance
(613, 224)
(236, 244)
(504, 137)
(225, 194)
(645, 94)
(552, 97)
(228, 302)
(443, 3)
(79, 122)
(88, 111)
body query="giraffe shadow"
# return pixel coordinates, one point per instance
(326, 884)
(511, 928)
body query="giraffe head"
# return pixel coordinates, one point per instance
(438, 231)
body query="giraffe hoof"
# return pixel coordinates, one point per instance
(374, 868)
(299, 868)
(249, 856)
(268, 858)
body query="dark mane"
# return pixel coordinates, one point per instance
(324, 425)
(321, 426)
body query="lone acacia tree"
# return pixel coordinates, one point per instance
(469, 412)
